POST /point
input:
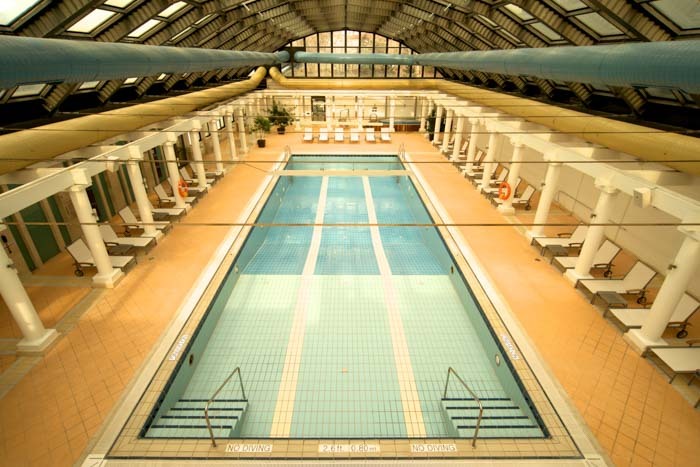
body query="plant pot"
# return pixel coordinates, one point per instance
(261, 143)
(280, 130)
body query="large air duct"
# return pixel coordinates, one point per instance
(649, 64)
(636, 140)
(25, 60)
(23, 148)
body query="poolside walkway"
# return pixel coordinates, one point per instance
(50, 416)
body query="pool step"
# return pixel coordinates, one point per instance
(186, 419)
(501, 418)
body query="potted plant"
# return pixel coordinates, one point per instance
(261, 127)
(280, 116)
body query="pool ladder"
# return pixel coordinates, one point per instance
(237, 371)
(450, 372)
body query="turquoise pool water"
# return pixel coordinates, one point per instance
(346, 331)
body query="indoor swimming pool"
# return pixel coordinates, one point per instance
(344, 315)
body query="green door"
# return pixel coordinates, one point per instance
(42, 236)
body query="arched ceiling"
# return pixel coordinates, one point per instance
(422, 25)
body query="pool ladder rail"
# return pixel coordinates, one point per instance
(236, 371)
(451, 372)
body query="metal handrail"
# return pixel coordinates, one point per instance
(451, 370)
(402, 152)
(206, 406)
(287, 153)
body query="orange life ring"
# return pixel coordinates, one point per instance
(182, 188)
(504, 191)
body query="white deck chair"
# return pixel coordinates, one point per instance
(573, 239)
(170, 212)
(680, 360)
(323, 135)
(635, 317)
(82, 258)
(192, 182)
(477, 168)
(602, 260)
(164, 198)
(522, 200)
(385, 135)
(496, 182)
(634, 282)
(339, 134)
(110, 236)
(354, 135)
(131, 222)
(369, 135)
(308, 134)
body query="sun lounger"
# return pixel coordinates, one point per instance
(110, 237)
(369, 136)
(634, 282)
(385, 135)
(680, 360)
(354, 135)
(602, 260)
(569, 240)
(323, 135)
(631, 318)
(82, 258)
(192, 182)
(131, 222)
(163, 197)
(495, 183)
(522, 200)
(308, 135)
(339, 134)
(477, 168)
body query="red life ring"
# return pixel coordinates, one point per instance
(182, 188)
(504, 191)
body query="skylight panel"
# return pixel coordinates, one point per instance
(519, 12)
(28, 90)
(2, 93)
(570, 5)
(599, 24)
(119, 3)
(130, 80)
(172, 9)
(487, 21)
(685, 13)
(91, 21)
(203, 19)
(546, 31)
(509, 36)
(88, 85)
(180, 34)
(144, 28)
(161, 77)
(11, 10)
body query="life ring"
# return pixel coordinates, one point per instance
(504, 191)
(182, 188)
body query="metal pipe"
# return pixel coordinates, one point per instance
(671, 64)
(23, 148)
(25, 60)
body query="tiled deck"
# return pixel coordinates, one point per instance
(52, 413)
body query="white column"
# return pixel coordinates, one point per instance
(35, 336)
(448, 130)
(680, 273)
(106, 275)
(458, 138)
(198, 165)
(173, 173)
(423, 114)
(142, 203)
(360, 110)
(228, 118)
(494, 145)
(549, 189)
(329, 117)
(471, 149)
(241, 130)
(297, 113)
(216, 144)
(595, 234)
(438, 124)
(392, 112)
(513, 173)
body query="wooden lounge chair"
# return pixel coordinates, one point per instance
(132, 223)
(631, 318)
(570, 240)
(308, 135)
(602, 260)
(323, 135)
(635, 282)
(369, 136)
(110, 237)
(385, 134)
(82, 258)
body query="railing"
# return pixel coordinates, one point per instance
(402, 152)
(451, 371)
(206, 406)
(287, 153)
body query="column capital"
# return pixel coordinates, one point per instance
(605, 186)
(169, 143)
(135, 153)
(81, 179)
(517, 141)
(690, 231)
